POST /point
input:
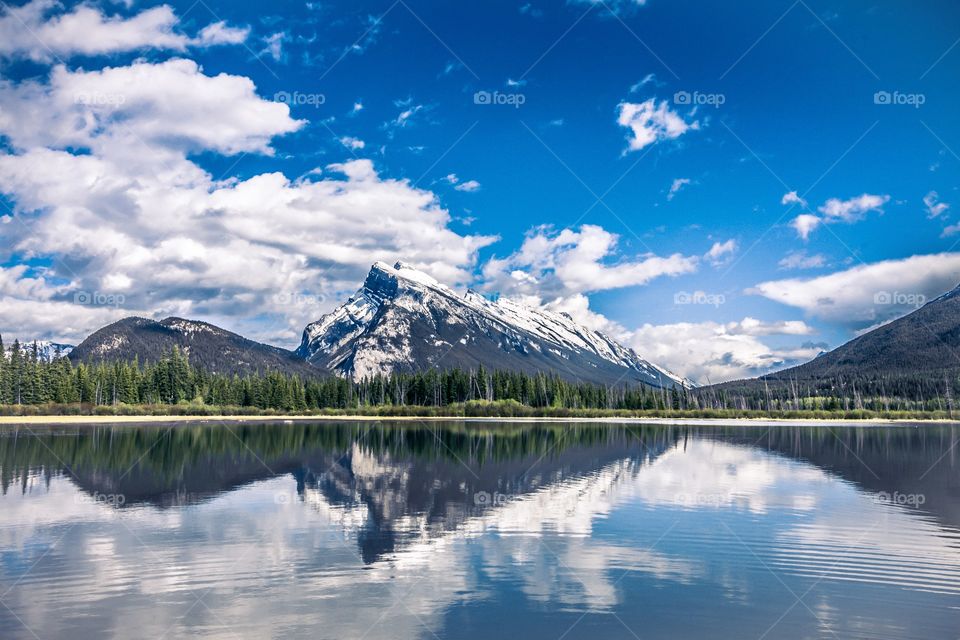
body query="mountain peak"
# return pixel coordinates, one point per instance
(403, 319)
(384, 279)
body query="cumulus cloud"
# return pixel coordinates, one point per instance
(113, 201)
(721, 252)
(852, 210)
(706, 352)
(468, 186)
(577, 306)
(352, 143)
(166, 106)
(41, 31)
(711, 352)
(650, 122)
(793, 198)
(833, 210)
(221, 33)
(805, 224)
(868, 294)
(551, 264)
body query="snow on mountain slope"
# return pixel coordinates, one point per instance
(402, 319)
(46, 351)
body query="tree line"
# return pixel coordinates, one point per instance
(28, 379)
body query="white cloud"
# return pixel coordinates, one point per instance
(870, 293)
(273, 45)
(650, 78)
(677, 185)
(721, 252)
(793, 198)
(852, 210)
(935, 208)
(577, 306)
(131, 212)
(222, 33)
(352, 143)
(405, 117)
(166, 106)
(805, 223)
(950, 230)
(40, 31)
(469, 186)
(552, 264)
(716, 352)
(704, 352)
(650, 122)
(833, 210)
(800, 260)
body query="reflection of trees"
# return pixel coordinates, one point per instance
(188, 463)
(921, 460)
(165, 453)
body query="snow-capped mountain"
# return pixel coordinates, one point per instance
(46, 351)
(402, 319)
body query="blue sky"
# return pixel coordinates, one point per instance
(629, 163)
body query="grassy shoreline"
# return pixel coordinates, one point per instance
(127, 414)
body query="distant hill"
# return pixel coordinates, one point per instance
(403, 320)
(207, 346)
(924, 343)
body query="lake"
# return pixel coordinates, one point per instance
(479, 530)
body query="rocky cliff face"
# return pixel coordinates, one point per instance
(402, 319)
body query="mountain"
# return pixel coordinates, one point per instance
(208, 347)
(402, 319)
(46, 351)
(925, 342)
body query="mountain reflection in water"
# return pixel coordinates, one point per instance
(458, 529)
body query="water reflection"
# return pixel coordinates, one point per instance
(353, 531)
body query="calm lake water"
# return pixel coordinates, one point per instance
(479, 530)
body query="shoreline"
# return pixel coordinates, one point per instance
(89, 420)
